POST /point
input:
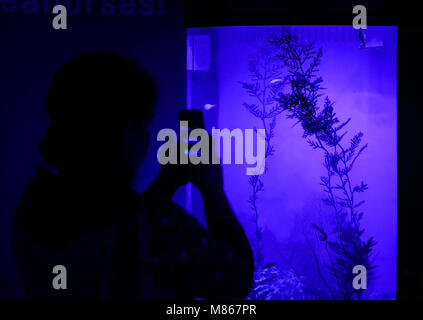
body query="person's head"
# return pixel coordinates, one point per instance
(99, 105)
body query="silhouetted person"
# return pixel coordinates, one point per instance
(80, 211)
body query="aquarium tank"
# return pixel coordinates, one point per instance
(322, 216)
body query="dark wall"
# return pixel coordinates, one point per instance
(31, 51)
(286, 12)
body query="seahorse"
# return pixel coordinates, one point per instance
(323, 236)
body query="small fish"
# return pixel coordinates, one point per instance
(208, 106)
(275, 81)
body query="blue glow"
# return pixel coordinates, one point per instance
(361, 81)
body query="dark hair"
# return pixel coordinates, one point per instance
(93, 93)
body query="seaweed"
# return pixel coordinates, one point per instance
(325, 132)
(265, 83)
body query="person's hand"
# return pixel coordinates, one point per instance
(206, 177)
(169, 179)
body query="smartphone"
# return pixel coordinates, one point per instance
(195, 119)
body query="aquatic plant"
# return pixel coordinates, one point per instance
(324, 131)
(265, 83)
